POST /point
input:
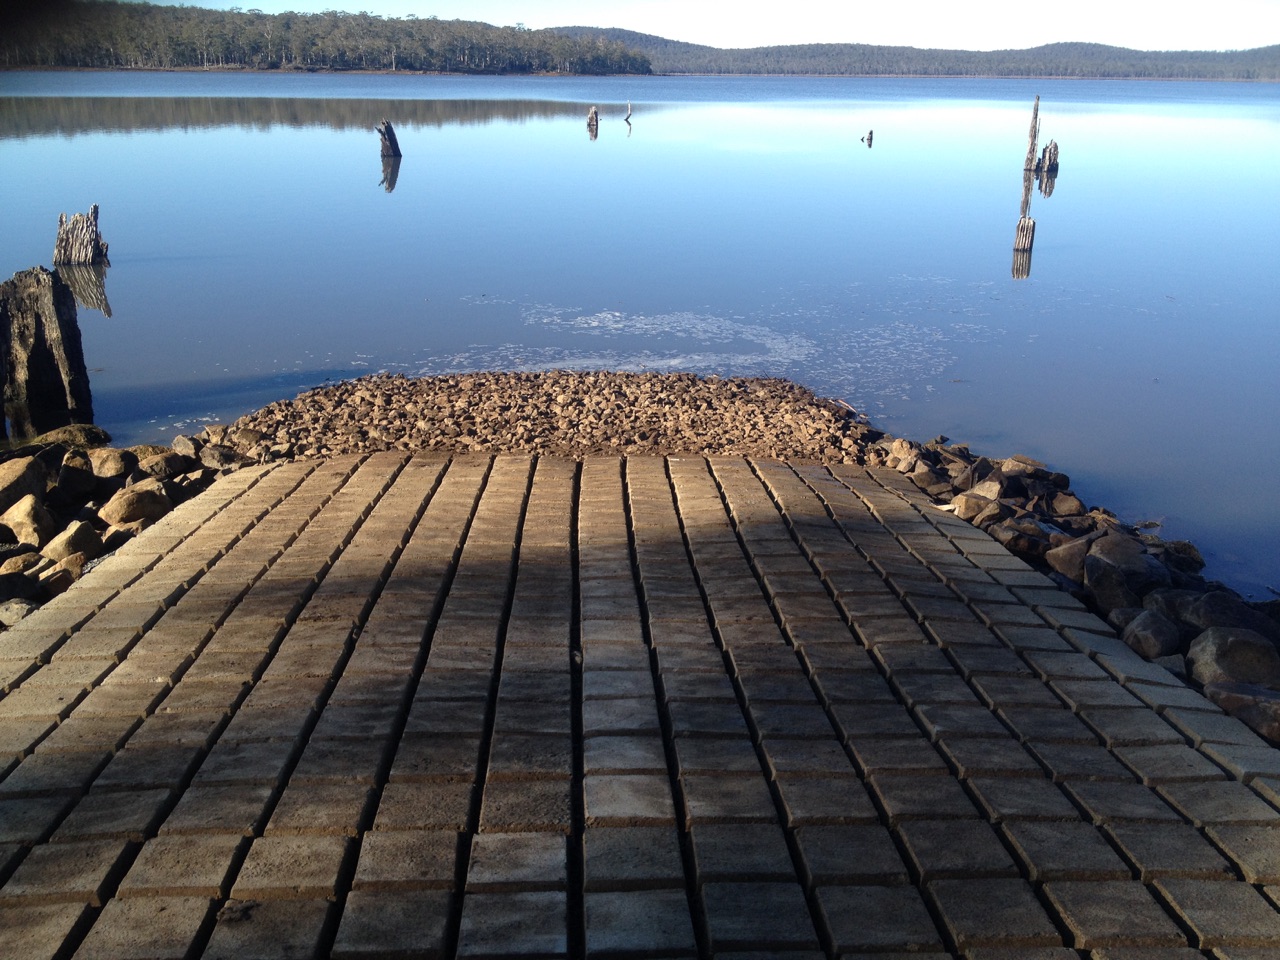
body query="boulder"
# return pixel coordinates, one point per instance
(970, 505)
(1120, 572)
(1172, 604)
(1234, 655)
(1121, 617)
(1068, 559)
(187, 446)
(80, 436)
(22, 562)
(76, 480)
(109, 463)
(1066, 504)
(145, 501)
(1152, 635)
(21, 477)
(1108, 585)
(1218, 608)
(79, 537)
(30, 521)
(166, 465)
(1018, 538)
(19, 586)
(1256, 706)
(215, 456)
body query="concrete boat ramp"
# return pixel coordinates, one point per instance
(682, 707)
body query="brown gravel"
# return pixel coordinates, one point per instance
(559, 413)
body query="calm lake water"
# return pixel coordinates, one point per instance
(737, 226)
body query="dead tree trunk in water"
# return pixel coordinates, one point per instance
(1034, 136)
(593, 122)
(79, 240)
(390, 145)
(45, 381)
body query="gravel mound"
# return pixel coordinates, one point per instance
(559, 413)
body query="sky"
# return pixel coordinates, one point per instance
(948, 24)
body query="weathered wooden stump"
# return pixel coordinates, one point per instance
(390, 145)
(79, 240)
(593, 122)
(1023, 239)
(45, 381)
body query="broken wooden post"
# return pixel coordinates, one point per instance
(1034, 136)
(390, 145)
(79, 240)
(1047, 168)
(593, 122)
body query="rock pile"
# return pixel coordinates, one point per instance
(558, 413)
(1149, 589)
(66, 499)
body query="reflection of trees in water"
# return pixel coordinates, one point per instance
(42, 116)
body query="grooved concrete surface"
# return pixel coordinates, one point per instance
(474, 707)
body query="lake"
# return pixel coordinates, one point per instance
(735, 226)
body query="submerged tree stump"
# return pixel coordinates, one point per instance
(79, 240)
(593, 122)
(390, 145)
(42, 369)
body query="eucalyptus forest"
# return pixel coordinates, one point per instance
(109, 34)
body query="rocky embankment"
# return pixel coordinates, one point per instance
(67, 499)
(63, 505)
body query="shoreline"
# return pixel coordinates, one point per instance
(301, 71)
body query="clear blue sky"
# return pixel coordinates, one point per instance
(953, 24)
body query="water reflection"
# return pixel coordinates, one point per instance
(1043, 171)
(88, 283)
(390, 171)
(22, 117)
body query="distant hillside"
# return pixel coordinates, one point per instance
(860, 59)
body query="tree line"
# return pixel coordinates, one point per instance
(1075, 60)
(108, 34)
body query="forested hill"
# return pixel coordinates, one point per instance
(859, 59)
(114, 35)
